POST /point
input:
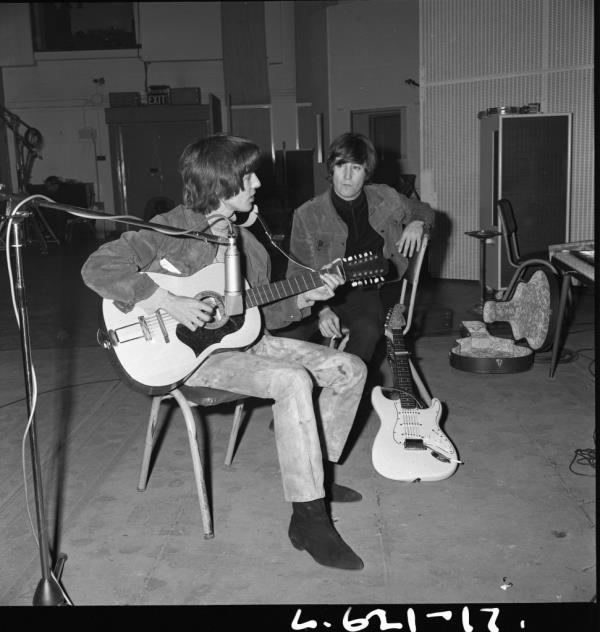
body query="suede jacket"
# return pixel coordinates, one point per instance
(116, 270)
(319, 234)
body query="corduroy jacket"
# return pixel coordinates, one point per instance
(319, 234)
(116, 270)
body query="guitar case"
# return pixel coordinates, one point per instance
(531, 312)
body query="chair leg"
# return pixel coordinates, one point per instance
(235, 428)
(192, 430)
(150, 438)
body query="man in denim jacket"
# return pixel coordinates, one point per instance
(219, 182)
(350, 218)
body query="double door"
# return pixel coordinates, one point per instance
(146, 143)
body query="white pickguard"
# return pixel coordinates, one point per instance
(392, 459)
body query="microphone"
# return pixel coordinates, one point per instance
(234, 303)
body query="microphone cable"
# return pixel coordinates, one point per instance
(275, 245)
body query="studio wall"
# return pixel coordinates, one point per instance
(478, 54)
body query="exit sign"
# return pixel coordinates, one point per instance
(153, 98)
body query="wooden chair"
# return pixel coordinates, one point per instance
(188, 399)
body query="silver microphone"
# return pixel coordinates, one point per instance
(234, 303)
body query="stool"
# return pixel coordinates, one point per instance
(483, 235)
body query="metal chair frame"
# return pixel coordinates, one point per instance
(511, 243)
(189, 399)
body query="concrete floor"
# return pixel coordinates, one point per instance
(516, 523)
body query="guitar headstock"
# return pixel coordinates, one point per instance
(394, 320)
(366, 268)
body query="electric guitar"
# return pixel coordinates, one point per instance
(155, 352)
(409, 446)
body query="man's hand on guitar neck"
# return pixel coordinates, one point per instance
(331, 281)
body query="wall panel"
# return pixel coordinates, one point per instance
(477, 54)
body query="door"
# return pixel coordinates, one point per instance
(151, 153)
(386, 129)
(141, 167)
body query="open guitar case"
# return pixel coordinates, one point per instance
(529, 305)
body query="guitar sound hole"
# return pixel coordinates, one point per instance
(219, 315)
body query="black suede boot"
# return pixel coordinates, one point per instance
(334, 492)
(311, 529)
(341, 494)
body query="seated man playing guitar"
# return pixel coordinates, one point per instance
(219, 182)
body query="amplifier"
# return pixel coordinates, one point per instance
(124, 99)
(185, 96)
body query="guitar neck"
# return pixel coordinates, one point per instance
(398, 359)
(282, 289)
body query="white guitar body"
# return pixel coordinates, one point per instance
(156, 353)
(147, 346)
(433, 456)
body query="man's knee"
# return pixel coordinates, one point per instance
(355, 369)
(359, 369)
(292, 379)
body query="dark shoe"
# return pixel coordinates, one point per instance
(311, 530)
(334, 492)
(341, 494)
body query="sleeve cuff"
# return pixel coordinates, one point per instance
(154, 302)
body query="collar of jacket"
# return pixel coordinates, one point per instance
(197, 222)
(376, 204)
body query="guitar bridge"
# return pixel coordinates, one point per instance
(414, 444)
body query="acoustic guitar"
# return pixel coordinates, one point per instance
(155, 353)
(410, 445)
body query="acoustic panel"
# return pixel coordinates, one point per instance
(477, 54)
(534, 170)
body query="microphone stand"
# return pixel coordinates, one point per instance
(48, 592)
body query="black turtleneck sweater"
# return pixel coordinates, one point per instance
(361, 235)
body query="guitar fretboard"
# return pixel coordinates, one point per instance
(398, 359)
(264, 294)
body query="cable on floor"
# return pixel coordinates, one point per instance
(585, 457)
(59, 388)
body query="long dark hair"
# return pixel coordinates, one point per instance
(351, 147)
(213, 169)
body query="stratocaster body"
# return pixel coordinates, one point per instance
(156, 353)
(410, 445)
